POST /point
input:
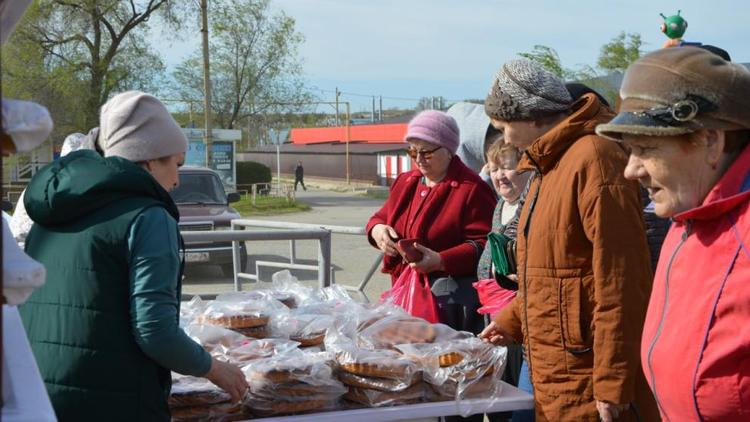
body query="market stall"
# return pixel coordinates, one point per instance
(319, 355)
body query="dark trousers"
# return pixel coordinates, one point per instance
(299, 180)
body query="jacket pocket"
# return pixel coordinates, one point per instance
(571, 320)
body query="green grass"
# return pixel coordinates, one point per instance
(268, 205)
(377, 194)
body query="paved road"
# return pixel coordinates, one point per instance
(352, 256)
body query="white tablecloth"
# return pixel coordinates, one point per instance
(511, 398)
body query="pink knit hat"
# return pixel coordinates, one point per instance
(434, 127)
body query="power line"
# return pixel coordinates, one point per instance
(353, 94)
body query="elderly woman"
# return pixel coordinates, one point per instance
(104, 328)
(685, 119)
(448, 208)
(502, 159)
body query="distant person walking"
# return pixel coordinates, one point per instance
(299, 175)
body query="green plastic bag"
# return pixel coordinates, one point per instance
(503, 250)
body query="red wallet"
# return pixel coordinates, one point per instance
(407, 250)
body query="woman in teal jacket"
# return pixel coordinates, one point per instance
(104, 328)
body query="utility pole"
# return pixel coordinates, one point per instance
(206, 84)
(192, 121)
(381, 108)
(337, 105)
(348, 135)
(372, 116)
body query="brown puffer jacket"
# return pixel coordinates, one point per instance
(584, 274)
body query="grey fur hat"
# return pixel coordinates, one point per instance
(524, 90)
(137, 126)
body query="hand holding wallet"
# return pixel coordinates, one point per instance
(407, 250)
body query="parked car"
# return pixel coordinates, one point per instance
(204, 205)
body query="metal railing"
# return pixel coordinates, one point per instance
(239, 224)
(253, 189)
(236, 236)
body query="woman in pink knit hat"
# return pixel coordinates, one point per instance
(447, 208)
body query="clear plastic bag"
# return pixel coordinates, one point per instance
(376, 398)
(308, 329)
(387, 332)
(285, 282)
(191, 310)
(215, 339)
(222, 412)
(380, 363)
(461, 369)
(190, 391)
(239, 312)
(292, 383)
(381, 384)
(257, 349)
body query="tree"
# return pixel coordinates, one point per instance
(254, 64)
(100, 43)
(432, 103)
(548, 58)
(620, 52)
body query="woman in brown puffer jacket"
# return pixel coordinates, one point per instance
(583, 263)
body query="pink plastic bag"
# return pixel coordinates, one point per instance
(411, 291)
(492, 297)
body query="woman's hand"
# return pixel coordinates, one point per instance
(384, 236)
(229, 377)
(609, 412)
(495, 335)
(430, 262)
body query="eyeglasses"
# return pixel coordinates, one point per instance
(426, 153)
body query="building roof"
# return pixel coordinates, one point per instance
(330, 148)
(373, 134)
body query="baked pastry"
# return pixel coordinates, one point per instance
(190, 391)
(375, 398)
(450, 359)
(380, 384)
(281, 372)
(278, 407)
(393, 331)
(307, 340)
(376, 363)
(253, 332)
(224, 412)
(237, 321)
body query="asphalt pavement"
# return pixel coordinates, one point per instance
(351, 255)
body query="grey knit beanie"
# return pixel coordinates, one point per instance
(524, 90)
(137, 126)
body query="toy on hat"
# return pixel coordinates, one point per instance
(673, 27)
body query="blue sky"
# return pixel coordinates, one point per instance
(407, 49)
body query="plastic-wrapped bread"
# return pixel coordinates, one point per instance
(381, 384)
(376, 364)
(190, 391)
(460, 369)
(292, 383)
(223, 412)
(377, 398)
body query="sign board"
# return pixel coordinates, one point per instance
(223, 153)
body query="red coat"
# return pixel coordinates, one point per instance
(696, 339)
(455, 212)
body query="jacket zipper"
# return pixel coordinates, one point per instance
(663, 315)
(526, 230)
